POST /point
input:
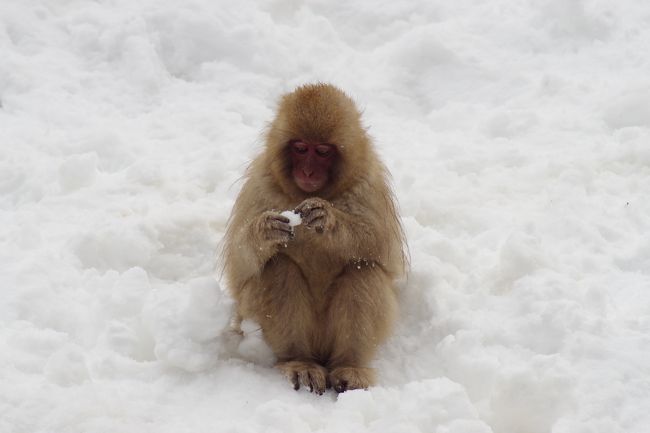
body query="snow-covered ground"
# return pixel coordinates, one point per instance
(518, 135)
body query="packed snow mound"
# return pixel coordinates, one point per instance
(517, 137)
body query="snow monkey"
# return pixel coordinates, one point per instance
(322, 291)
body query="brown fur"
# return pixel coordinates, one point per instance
(325, 299)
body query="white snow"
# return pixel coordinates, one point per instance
(518, 137)
(294, 218)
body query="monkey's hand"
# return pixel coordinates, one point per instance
(317, 213)
(273, 229)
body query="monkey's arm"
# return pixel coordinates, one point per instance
(350, 232)
(356, 238)
(252, 243)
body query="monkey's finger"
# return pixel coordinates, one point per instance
(303, 378)
(308, 206)
(278, 217)
(272, 233)
(270, 217)
(305, 207)
(279, 236)
(316, 223)
(341, 386)
(282, 226)
(314, 215)
(295, 381)
(311, 382)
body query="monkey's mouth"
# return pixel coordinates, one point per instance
(310, 184)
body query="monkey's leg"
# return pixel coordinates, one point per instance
(360, 316)
(288, 322)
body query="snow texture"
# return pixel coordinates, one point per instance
(518, 137)
(294, 218)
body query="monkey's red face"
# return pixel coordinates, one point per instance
(311, 164)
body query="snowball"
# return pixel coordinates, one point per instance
(294, 218)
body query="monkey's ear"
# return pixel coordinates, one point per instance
(276, 159)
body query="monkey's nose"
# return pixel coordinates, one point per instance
(308, 171)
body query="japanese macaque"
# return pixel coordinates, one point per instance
(322, 291)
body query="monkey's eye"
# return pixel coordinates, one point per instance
(299, 147)
(323, 149)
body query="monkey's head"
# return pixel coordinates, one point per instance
(316, 144)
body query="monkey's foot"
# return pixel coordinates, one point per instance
(347, 378)
(307, 374)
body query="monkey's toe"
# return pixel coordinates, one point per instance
(341, 386)
(348, 378)
(295, 381)
(308, 374)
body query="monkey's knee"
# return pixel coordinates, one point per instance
(305, 373)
